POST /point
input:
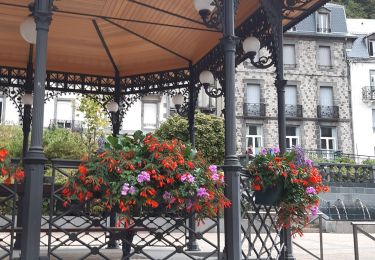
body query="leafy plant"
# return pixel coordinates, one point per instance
(11, 138)
(301, 182)
(209, 134)
(63, 144)
(142, 173)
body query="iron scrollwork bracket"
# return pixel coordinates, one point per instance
(215, 19)
(290, 6)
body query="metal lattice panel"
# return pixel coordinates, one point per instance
(261, 239)
(8, 209)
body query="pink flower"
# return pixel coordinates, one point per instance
(202, 192)
(213, 169)
(215, 176)
(314, 210)
(311, 190)
(126, 188)
(143, 176)
(187, 178)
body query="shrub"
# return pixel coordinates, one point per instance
(63, 144)
(11, 138)
(209, 134)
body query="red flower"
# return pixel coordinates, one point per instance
(82, 169)
(190, 164)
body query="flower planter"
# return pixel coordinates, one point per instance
(269, 196)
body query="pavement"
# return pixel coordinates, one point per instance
(336, 247)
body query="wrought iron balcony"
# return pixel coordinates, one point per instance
(293, 111)
(328, 112)
(74, 125)
(368, 94)
(254, 109)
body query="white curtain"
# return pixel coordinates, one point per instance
(289, 54)
(150, 115)
(253, 93)
(64, 110)
(291, 95)
(324, 56)
(326, 96)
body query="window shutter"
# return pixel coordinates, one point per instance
(371, 48)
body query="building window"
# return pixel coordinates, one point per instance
(328, 141)
(373, 120)
(291, 101)
(64, 113)
(323, 22)
(150, 116)
(254, 138)
(292, 136)
(252, 105)
(324, 57)
(371, 45)
(1, 108)
(289, 55)
(372, 79)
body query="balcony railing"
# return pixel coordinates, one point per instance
(254, 109)
(293, 111)
(323, 30)
(328, 112)
(290, 66)
(368, 93)
(74, 125)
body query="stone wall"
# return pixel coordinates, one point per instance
(308, 78)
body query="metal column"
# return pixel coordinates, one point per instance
(35, 158)
(231, 163)
(192, 244)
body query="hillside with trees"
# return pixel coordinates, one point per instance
(358, 8)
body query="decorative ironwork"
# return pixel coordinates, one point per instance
(293, 111)
(328, 112)
(15, 95)
(346, 173)
(368, 93)
(261, 239)
(289, 6)
(254, 109)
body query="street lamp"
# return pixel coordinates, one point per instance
(112, 107)
(251, 45)
(204, 7)
(28, 30)
(178, 100)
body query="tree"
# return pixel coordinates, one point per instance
(209, 134)
(95, 122)
(358, 8)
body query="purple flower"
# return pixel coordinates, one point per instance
(189, 205)
(166, 196)
(187, 178)
(263, 151)
(213, 169)
(314, 210)
(308, 162)
(202, 192)
(299, 156)
(126, 188)
(132, 190)
(143, 176)
(276, 150)
(215, 176)
(311, 190)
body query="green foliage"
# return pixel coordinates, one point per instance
(209, 134)
(11, 138)
(63, 144)
(369, 162)
(95, 122)
(358, 8)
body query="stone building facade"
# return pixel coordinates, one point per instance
(317, 92)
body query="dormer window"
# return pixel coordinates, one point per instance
(323, 24)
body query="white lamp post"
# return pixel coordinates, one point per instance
(251, 45)
(28, 30)
(27, 99)
(112, 106)
(207, 78)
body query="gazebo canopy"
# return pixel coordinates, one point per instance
(142, 36)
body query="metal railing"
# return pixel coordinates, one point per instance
(356, 228)
(328, 112)
(254, 109)
(346, 173)
(293, 111)
(321, 251)
(368, 93)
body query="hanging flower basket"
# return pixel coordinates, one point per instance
(270, 196)
(142, 175)
(288, 181)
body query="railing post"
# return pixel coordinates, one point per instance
(355, 240)
(321, 236)
(373, 174)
